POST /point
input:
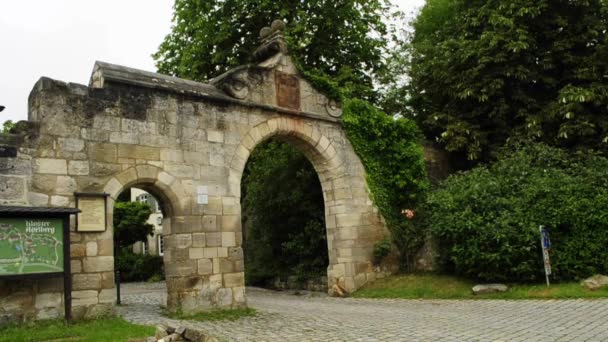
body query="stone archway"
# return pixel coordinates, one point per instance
(346, 224)
(188, 142)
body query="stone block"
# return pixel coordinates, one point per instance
(215, 136)
(78, 167)
(213, 239)
(239, 296)
(71, 144)
(98, 264)
(171, 155)
(12, 188)
(216, 159)
(107, 296)
(231, 223)
(138, 152)
(113, 187)
(205, 266)
(181, 268)
(65, 185)
(231, 206)
(210, 223)
(210, 252)
(102, 169)
(234, 279)
(76, 266)
(223, 265)
(91, 248)
(107, 280)
(146, 172)
(214, 207)
(60, 201)
(235, 253)
(228, 239)
(222, 252)
(127, 176)
(223, 298)
(186, 224)
(50, 166)
(86, 281)
(77, 250)
(37, 199)
(165, 178)
(49, 300)
(183, 170)
(105, 247)
(14, 166)
(196, 253)
(103, 152)
(85, 297)
(198, 240)
(183, 240)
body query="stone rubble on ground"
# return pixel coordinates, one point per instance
(595, 282)
(489, 288)
(168, 333)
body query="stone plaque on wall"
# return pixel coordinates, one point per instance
(288, 90)
(92, 216)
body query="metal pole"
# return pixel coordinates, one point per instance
(117, 287)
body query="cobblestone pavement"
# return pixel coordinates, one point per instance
(315, 317)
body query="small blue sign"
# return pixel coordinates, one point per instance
(544, 233)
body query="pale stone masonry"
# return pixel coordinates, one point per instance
(179, 140)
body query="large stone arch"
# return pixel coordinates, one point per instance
(187, 143)
(348, 246)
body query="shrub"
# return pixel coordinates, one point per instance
(137, 267)
(486, 220)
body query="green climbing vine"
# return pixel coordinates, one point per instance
(391, 152)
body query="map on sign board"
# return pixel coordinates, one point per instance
(31, 245)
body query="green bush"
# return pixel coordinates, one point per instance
(137, 267)
(486, 220)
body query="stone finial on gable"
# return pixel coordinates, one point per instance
(273, 41)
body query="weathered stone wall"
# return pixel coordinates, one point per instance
(170, 137)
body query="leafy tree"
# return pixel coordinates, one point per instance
(342, 39)
(130, 223)
(284, 218)
(7, 126)
(487, 71)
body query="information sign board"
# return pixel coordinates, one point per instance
(31, 245)
(35, 244)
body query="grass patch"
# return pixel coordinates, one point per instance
(214, 315)
(102, 330)
(434, 286)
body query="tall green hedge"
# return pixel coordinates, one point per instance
(486, 220)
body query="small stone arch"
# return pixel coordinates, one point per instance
(154, 180)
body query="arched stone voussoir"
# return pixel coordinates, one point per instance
(154, 180)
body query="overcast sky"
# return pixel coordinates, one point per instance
(62, 39)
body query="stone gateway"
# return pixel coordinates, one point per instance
(172, 138)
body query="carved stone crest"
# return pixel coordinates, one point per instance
(288, 90)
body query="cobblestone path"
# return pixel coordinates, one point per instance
(316, 317)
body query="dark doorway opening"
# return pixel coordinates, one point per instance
(284, 234)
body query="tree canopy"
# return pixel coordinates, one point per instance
(343, 39)
(484, 72)
(130, 223)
